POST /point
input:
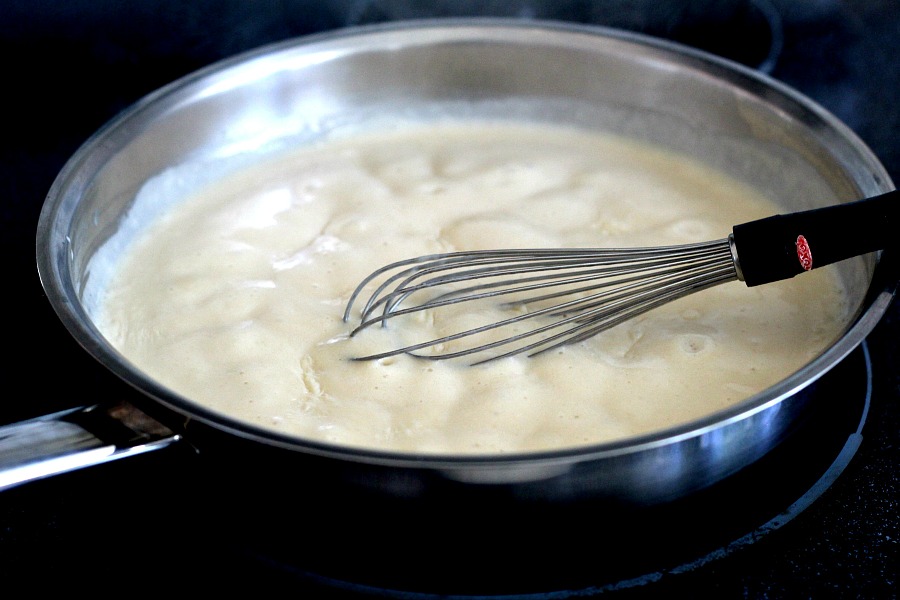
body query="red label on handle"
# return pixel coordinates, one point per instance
(804, 254)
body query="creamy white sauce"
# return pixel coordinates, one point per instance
(234, 297)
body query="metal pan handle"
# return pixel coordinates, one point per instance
(76, 438)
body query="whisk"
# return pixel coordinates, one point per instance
(571, 294)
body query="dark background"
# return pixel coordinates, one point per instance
(70, 66)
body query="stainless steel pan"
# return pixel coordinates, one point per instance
(731, 117)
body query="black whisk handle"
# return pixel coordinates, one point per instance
(782, 246)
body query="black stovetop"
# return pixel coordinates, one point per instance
(70, 66)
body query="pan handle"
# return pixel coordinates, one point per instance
(76, 438)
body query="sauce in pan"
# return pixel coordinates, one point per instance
(234, 297)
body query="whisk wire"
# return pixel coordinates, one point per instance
(587, 265)
(601, 321)
(622, 285)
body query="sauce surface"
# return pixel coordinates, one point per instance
(234, 296)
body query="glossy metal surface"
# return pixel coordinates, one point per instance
(73, 439)
(736, 119)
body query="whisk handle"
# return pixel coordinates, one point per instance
(782, 246)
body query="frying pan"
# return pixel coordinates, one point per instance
(392, 511)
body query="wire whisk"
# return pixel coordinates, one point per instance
(554, 297)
